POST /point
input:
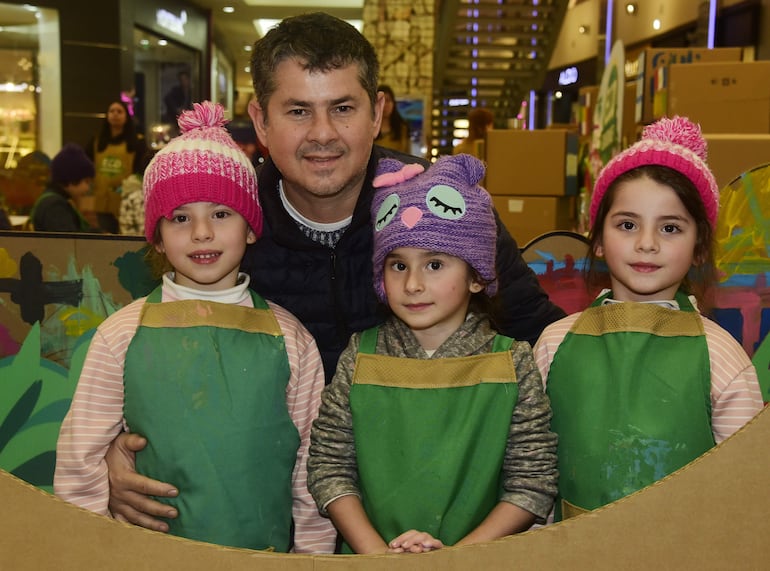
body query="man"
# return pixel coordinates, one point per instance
(178, 98)
(318, 112)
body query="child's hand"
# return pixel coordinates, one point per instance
(414, 541)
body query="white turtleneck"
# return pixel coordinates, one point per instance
(236, 295)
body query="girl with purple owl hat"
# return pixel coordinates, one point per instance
(435, 429)
(640, 383)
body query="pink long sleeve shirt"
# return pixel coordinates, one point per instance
(95, 417)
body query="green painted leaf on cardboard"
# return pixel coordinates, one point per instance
(38, 471)
(54, 412)
(35, 394)
(19, 413)
(28, 443)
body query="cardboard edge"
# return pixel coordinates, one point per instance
(707, 515)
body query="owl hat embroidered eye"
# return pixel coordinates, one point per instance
(442, 209)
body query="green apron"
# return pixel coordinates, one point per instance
(205, 382)
(630, 392)
(430, 438)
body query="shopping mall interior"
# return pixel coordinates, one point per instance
(566, 87)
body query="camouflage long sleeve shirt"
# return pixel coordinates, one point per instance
(529, 468)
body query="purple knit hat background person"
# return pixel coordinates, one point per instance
(676, 143)
(442, 209)
(203, 164)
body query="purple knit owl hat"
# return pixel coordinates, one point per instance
(676, 143)
(203, 164)
(442, 209)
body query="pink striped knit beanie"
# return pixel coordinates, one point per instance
(676, 143)
(441, 209)
(203, 164)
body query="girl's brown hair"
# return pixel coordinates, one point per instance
(702, 275)
(157, 261)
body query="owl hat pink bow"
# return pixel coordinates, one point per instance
(442, 209)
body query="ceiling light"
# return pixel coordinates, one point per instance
(631, 8)
(584, 29)
(656, 24)
(247, 48)
(228, 9)
(162, 42)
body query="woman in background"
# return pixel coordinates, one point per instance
(394, 131)
(116, 152)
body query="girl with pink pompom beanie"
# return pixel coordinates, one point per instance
(640, 382)
(223, 384)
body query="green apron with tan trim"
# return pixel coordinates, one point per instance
(205, 382)
(113, 165)
(430, 437)
(630, 392)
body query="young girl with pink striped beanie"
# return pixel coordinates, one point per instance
(223, 384)
(640, 382)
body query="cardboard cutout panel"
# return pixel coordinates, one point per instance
(708, 515)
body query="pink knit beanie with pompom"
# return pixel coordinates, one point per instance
(203, 164)
(676, 143)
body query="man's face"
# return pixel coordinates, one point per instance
(319, 128)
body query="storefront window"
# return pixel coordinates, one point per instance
(222, 82)
(30, 96)
(167, 81)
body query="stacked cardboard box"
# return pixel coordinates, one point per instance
(731, 102)
(722, 97)
(731, 155)
(653, 77)
(532, 176)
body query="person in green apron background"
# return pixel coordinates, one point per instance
(640, 382)
(117, 150)
(223, 384)
(435, 429)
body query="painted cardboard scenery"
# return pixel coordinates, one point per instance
(743, 295)
(559, 261)
(54, 290)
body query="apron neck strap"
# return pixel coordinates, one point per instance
(369, 340)
(680, 297)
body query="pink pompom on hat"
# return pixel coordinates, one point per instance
(676, 143)
(203, 164)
